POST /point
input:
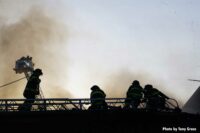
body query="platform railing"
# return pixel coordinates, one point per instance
(51, 104)
(60, 104)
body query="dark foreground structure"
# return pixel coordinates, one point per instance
(73, 116)
(100, 121)
(192, 105)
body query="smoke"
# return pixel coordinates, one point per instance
(38, 35)
(59, 92)
(118, 83)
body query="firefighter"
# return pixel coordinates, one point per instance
(155, 100)
(97, 98)
(133, 95)
(32, 89)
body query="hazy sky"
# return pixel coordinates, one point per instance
(109, 42)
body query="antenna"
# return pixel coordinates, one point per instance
(194, 80)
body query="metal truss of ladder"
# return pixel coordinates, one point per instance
(56, 104)
(62, 104)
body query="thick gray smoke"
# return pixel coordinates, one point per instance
(38, 35)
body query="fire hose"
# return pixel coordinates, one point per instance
(12, 82)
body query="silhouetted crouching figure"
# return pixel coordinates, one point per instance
(97, 98)
(31, 90)
(133, 96)
(155, 100)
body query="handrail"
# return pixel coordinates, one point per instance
(49, 104)
(10, 105)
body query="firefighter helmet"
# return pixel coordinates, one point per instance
(148, 86)
(136, 82)
(38, 71)
(95, 87)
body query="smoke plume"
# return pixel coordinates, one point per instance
(38, 35)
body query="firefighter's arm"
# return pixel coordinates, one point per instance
(37, 91)
(163, 95)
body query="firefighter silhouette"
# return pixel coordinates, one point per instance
(155, 100)
(97, 98)
(31, 90)
(133, 95)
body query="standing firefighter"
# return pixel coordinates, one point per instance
(155, 100)
(133, 95)
(32, 89)
(97, 98)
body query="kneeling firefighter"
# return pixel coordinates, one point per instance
(97, 98)
(155, 100)
(134, 96)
